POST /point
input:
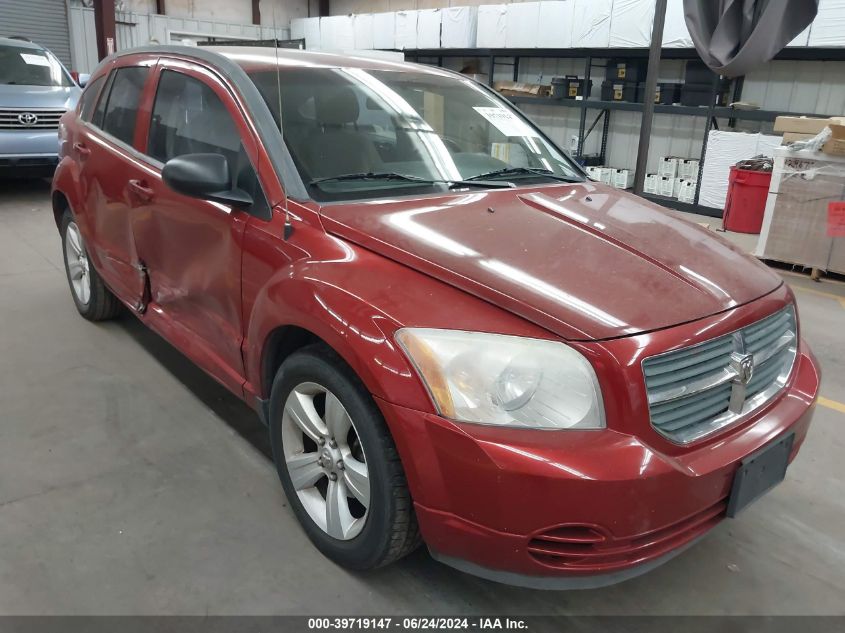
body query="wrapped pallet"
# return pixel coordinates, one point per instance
(797, 226)
(337, 33)
(591, 23)
(459, 27)
(364, 31)
(492, 25)
(630, 23)
(384, 30)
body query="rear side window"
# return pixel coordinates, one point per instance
(121, 109)
(89, 98)
(189, 118)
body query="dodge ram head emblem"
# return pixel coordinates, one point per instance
(27, 118)
(743, 365)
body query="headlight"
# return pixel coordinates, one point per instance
(505, 380)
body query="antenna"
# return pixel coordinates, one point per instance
(288, 230)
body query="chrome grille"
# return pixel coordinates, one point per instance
(698, 390)
(30, 118)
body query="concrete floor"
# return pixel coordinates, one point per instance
(130, 483)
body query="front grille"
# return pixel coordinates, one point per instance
(30, 118)
(698, 390)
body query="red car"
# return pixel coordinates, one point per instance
(452, 334)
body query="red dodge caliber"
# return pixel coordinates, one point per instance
(452, 334)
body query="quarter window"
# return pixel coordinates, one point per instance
(89, 98)
(124, 97)
(189, 118)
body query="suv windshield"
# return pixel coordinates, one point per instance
(24, 66)
(357, 133)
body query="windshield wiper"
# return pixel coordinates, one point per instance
(392, 175)
(523, 171)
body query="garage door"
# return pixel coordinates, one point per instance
(42, 21)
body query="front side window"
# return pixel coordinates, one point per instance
(25, 66)
(121, 107)
(189, 118)
(410, 127)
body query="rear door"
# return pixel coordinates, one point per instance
(192, 247)
(105, 149)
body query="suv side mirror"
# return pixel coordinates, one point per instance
(204, 176)
(83, 80)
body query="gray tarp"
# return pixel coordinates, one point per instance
(733, 37)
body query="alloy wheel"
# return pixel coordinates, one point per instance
(78, 267)
(325, 460)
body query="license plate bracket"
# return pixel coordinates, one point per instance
(758, 473)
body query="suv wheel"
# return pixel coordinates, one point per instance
(338, 463)
(94, 301)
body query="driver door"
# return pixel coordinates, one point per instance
(191, 248)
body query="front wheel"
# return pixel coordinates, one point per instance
(93, 300)
(338, 464)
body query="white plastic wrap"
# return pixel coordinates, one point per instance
(362, 27)
(428, 28)
(675, 31)
(297, 29)
(336, 33)
(591, 23)
(802, 39)
(630, 23)
(723, 150)
(828, 29)
(556, 19)
(492, 25)
(459, 26)
(312, 33)
(384, 30)
(406, 29)
(523, 22)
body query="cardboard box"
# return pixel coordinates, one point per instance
(593, 172)
(688, 168)
(800, 124)
(623, 178)
(836, 144)
(665, 186)
(651, 184)
(517, 89)
(686, 191)
(668, 166)
(607, 174)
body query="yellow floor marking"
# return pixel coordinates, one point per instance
(832, 404)
(821, 293)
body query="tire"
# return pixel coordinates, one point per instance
(93, 300)
(388, 529)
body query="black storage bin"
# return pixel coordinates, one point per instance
(699, 94)
(620, 91)
(697, 73)
(626, 70)
(570, 87)
(665, 93)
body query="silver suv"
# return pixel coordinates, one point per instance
(35, 91)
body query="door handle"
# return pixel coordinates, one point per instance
(141, 191)
(81, 149)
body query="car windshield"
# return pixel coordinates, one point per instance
(24, 66)
(356, 133)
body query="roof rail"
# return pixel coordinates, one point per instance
(21, 38)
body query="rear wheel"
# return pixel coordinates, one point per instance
(93, 300)
(338, 464)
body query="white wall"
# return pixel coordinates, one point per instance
(235, 11)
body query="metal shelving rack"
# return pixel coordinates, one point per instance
(712, 113)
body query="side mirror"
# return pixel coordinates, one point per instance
(83, 79)
(204, 176)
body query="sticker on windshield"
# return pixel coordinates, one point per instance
(35, 60)
(506, 121)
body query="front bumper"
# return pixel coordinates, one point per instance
(569, 509)
(29, 151)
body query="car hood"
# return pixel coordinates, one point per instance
(35, 97)
(585, 261)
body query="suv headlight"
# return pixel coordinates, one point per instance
(505, 380)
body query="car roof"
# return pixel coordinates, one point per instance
(13, 41)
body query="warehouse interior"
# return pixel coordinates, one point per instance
(134, 483)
